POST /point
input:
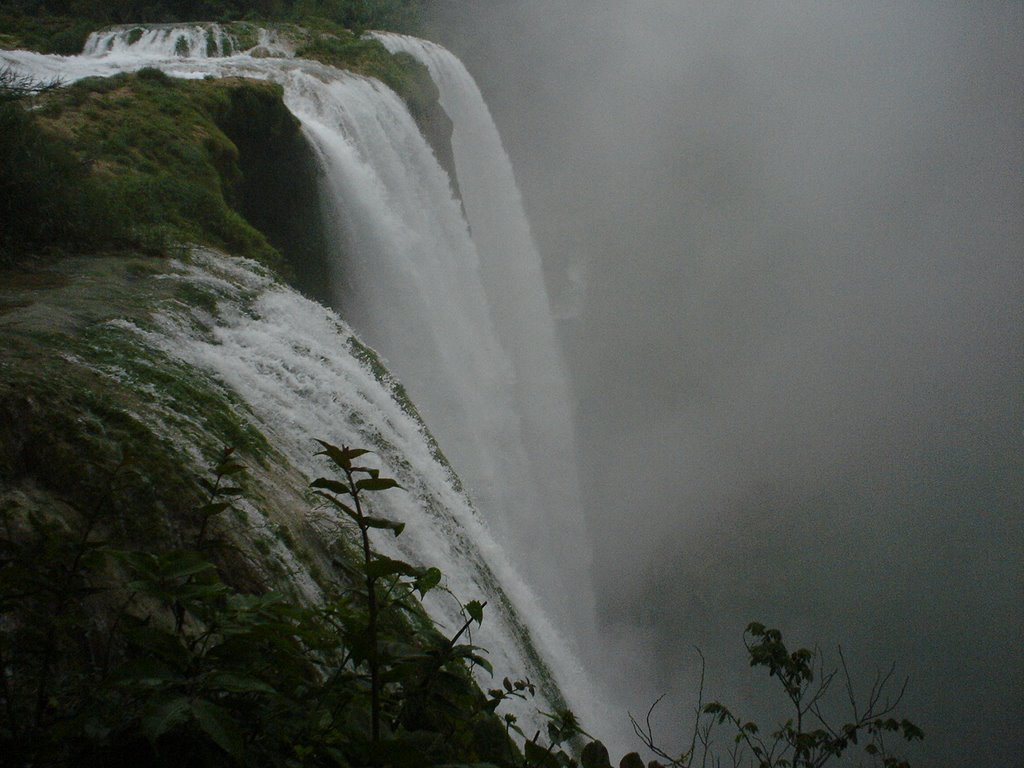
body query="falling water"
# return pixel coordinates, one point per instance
(462, 320)
(303, 373)
(513, 280)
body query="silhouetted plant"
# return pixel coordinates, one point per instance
(111, 655)
(811, 738)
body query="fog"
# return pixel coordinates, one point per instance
(786, 244)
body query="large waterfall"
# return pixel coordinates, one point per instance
(457, 310)
(510, 269)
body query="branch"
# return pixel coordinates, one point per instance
(15, 85)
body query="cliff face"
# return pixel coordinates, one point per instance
(166, 162)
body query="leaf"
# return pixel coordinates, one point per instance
(376, 484)
(145, 673)
(163, 716)
(475, 609)
(179, 565)
(481, 662)
(911, 731)
(536, 755)
(164, 645)
(385, 566)
(428, 580)
(380, 522)
(334, 486)
(209, 510)
(239, 683)
(342, 457)
(219, 726)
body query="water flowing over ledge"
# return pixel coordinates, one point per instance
(461, 318)
(302, 373)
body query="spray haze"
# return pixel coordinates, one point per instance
(798, 353)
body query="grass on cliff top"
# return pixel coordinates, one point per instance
(401, 72)
(132, 161)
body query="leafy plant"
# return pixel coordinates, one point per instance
(115, 655)
(417, 678)
(811, 737)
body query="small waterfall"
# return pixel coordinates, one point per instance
(462, 320)
(160, 42)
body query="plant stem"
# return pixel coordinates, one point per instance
(371, 605)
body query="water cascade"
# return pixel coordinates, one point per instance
(513, 280)
(302, 372)
(461, 319)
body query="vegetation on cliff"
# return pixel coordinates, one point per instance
(135, 161)
(143, 161)
(119, 654)
(61, 26)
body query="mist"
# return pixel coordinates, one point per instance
(785, 243)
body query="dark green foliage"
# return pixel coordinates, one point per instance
(133, 161)
(48, 198)
(401, 72)
(424, 708)
(38, 29)
(113, 654)
(119, 655)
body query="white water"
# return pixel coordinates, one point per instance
(471, 338)
(513, 281)
(294, 364)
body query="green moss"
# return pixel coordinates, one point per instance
(399, 71)
(184, 396)
(285, 536)
(152, 143)
(81, 395)
(244, 34)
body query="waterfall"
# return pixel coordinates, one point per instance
(302, 373)
(513, 281)
(461, 318)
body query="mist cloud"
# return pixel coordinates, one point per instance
(800, 359)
